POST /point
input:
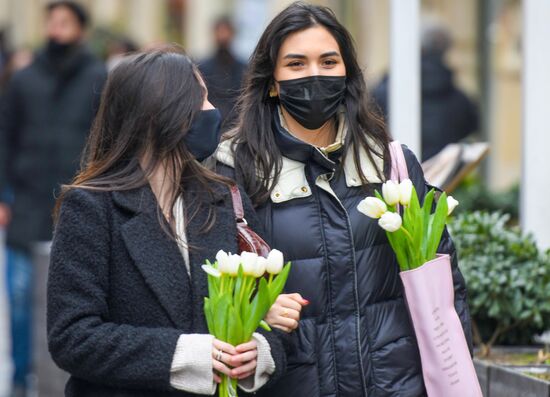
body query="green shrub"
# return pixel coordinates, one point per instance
(508, 278)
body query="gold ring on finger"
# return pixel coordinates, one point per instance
(285, 312)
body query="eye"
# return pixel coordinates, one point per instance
(330, 62)
(295, 64)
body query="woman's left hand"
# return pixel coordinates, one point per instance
(285, 312)
(244, 362)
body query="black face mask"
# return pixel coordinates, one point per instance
(57, 49)
(204, 136)
(312, 100)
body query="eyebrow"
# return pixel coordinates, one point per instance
(302, 56)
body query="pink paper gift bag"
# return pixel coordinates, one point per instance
(447, 366)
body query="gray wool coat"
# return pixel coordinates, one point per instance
(119, 295)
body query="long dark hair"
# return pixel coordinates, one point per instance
(147, 106)
(254, 141)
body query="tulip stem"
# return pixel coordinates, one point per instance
(407, 234)
(243, 287)
(270, 279)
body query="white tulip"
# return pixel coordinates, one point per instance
(234, 262)
(390, 192)
(405, 191)
(275, 262)
(390, 221)
(223, 261)
(451, 204)
(248, 260)
(211, 270)
(372, 207)
(261, 265)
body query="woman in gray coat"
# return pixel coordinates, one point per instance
(125, 290)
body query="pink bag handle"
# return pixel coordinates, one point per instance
(399, 169)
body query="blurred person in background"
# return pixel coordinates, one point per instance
(448, 115)
(12, 63)
(223, 72)
(46, 113)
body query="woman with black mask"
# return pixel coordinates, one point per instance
(308, 148)
(126, 291)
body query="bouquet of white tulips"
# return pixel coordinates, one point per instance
(240, 297)
(427, 280)
(414, 236)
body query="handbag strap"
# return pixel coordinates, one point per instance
(399, 169)
(237, 204)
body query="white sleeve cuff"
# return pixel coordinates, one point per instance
(192, 364)
(265, 366)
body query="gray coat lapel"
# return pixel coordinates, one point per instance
(156, 255)
(204, 244)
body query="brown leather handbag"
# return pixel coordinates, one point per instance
(247, 239)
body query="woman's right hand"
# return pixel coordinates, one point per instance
(235, 362)
(222, 354)
(285, 312)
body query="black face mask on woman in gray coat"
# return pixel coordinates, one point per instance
(355, 337)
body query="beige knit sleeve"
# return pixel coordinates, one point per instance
(192, 364)
(264, 368)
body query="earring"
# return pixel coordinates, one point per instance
(272, 92)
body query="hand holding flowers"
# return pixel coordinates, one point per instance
(239, 298)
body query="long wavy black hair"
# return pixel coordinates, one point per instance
(254, 141)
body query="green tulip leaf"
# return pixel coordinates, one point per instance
(259, 308)
(417, 229)
(437, 225)
(238, 286)
(426, 215)
(208, 315)
(220, 314)
(276, 287)
(399, 245)
(234, 327)
(265, 325)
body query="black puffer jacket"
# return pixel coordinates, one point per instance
(355, 338)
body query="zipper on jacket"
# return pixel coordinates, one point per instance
(358, 320)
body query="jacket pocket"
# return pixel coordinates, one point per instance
(304, 340)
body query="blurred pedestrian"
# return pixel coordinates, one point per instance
(447, 115)
(46, 115)
(13, 62)
(223, 72)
